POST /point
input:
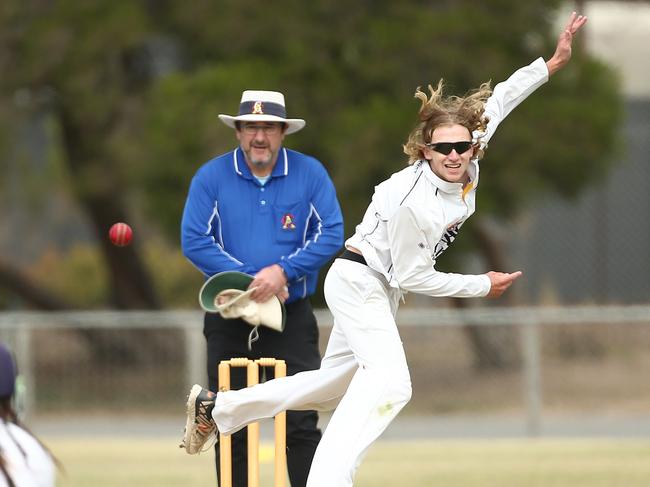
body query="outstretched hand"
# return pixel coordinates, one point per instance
(500, 281)
(562, 53)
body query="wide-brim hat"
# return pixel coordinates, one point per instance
(7, 373)
(228, 294)
(263, 106)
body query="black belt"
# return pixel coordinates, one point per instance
(353, 256)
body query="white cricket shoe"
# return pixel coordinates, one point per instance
(199, 427)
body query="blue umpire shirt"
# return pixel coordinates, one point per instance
(231, 222)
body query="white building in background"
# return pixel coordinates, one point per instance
(619, 33)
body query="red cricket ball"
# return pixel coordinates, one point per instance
(120, 234)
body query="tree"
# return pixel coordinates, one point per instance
(355, 90)
(76, 61)
(135, 87)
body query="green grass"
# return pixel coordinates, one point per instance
(432, 463)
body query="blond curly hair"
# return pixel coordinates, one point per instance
(437, 110)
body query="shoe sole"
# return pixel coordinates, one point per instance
(191, 415)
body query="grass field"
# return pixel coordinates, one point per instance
(449, 463)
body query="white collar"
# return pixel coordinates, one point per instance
(446, 186)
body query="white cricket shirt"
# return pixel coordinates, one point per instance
(31, 467)
(415, 215)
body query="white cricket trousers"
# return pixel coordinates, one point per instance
(364, 371)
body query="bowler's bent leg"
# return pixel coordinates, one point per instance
(320, 390)
(363, 307)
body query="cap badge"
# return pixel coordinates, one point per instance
(258, 108)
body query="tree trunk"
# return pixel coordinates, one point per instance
(24, 287)
(99, 193)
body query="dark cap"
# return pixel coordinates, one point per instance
(7, 372)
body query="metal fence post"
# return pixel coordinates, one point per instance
(25, 363)
(532, 375)
(195, 353)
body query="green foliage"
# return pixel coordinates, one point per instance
(78, 275)
(355, 90)
(549, 145)
(177, 281)
(350, 69)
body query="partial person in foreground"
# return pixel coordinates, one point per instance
(412, 218)
(24, 461)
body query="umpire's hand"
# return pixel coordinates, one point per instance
(269, 282)
(500, 282)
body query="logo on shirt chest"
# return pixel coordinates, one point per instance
(446, 240)
(287, 222)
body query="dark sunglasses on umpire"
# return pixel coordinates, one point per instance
(446, 147)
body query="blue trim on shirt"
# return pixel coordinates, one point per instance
(232, 222)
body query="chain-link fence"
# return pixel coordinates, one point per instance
(593, 249)
(516, 362)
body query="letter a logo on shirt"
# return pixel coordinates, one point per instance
(287, 222)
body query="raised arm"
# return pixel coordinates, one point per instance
(508, 94)
(562, 53)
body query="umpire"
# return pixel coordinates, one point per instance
(270, 212)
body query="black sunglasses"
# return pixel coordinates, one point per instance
(446, 147)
